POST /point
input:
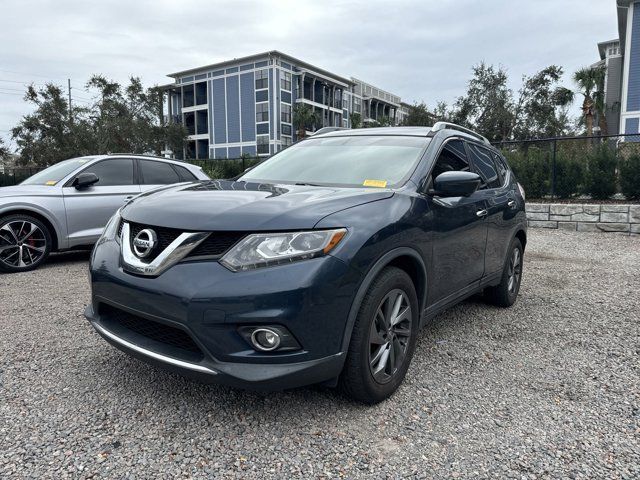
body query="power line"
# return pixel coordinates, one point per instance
(30, 74)
(10, 93)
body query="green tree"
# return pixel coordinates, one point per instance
(4, 151)
(129, 119)
(590, 82)
(356, 120)
(488, 104)
(304, 118)
(51, 133)
(541, 108)
(419, 116)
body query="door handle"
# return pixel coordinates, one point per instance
(126, 199)
(511, 203)
(482, 213)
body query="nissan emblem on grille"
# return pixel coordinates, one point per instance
(144, 242)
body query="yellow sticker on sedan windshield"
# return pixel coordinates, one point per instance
(51, 182)
(375, 183)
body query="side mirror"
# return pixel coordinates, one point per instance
(456, 184)
(85, 180)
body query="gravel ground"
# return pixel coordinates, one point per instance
(547, 389)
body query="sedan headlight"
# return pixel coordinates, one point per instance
(268, 249)
(111, 230)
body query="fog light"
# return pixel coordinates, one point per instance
(265, 339)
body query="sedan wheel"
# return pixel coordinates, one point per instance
(24, 243)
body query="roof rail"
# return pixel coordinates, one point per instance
(442, 125)
(329, 129)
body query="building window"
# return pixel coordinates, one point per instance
(345, 123)
(285, 113)
(286, 129)
(345, 103)
(356, 105)
(285, 81)
(262, 144)
(262, 112)
(201, 93)
(286, 141)
(262, 79)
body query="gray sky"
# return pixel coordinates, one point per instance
(421, 50)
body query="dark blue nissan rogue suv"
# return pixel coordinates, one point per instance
(319, 265)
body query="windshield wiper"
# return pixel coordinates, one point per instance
(308, 184)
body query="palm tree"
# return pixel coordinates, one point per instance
(590, 81)
(304, 117)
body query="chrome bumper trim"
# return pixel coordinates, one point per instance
(154, 355)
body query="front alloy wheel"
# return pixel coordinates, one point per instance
(383, 338)
(389, 335)
(24, 243)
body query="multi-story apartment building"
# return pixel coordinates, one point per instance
(245, 105)
(622, 59)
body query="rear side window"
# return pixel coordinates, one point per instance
(501, 165)
(113, 172)
(482, 160)
(157, 173)
(185, 175)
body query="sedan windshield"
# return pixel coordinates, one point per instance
(355, 161)
(53, 174)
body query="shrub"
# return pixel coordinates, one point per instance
(600, 177)
(532, 170)
(569, 174)
(630, 177)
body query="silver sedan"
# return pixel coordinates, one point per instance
(68, 204)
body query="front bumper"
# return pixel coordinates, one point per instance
(207, 303)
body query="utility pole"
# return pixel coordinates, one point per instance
(69, 91)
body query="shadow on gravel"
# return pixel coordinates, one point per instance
(68, 257)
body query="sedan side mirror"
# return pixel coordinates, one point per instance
(85, 180)
(456, 184)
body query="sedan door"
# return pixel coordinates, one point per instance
(88, 209)
(459, 232)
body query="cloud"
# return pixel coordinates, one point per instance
(421, 50)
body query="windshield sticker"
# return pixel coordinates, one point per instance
(375, 183)
(51, 182)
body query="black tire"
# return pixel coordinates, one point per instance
(359, 378)
(505, 294)
(32, 247)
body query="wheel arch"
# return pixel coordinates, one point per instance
(38, 215)
(406, 259)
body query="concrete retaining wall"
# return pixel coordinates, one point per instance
(585, 218)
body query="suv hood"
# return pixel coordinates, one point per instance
(240, 206)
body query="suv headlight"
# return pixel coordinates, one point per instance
(268, 249)
(111, 229)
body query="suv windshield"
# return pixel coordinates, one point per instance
(55, 173)
(356, 161)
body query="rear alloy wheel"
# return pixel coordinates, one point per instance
(506, 292)
(25, 242)
(383, 338)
